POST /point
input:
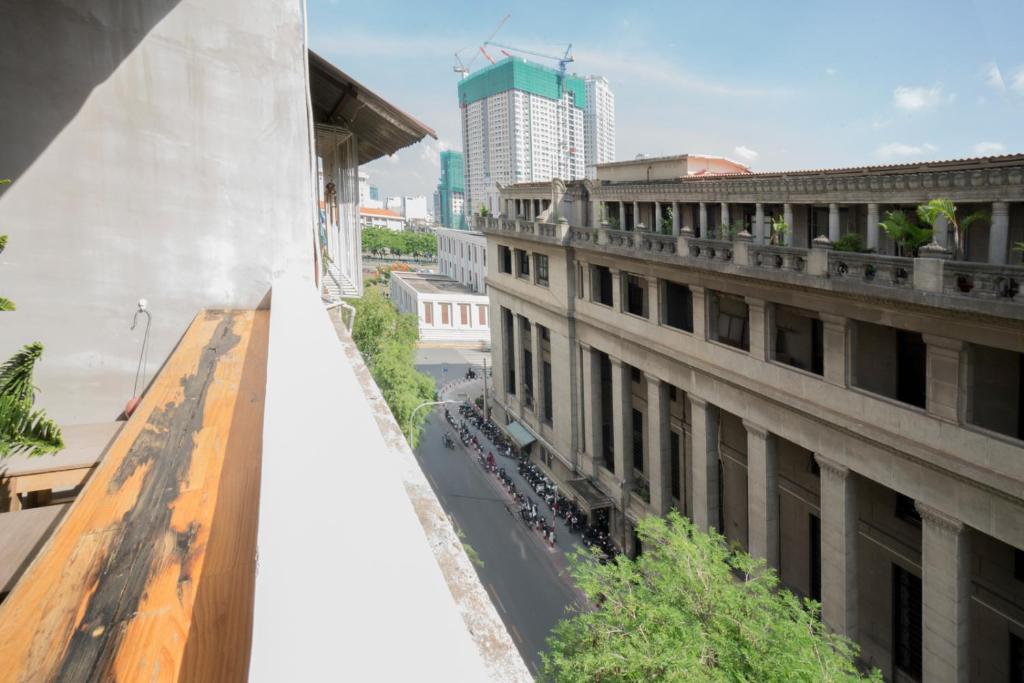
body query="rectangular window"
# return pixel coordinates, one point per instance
(1016, 659)
(579, 280)
(815, 539)
(464, 314)
(889, 362)
(523, 258)
(541, 262)
(428, 313)
(638, 440)
(601, 285)
(446, 314)
(906, 601)
(729, 320)
(799, 339)
(906, 510)
(528, 377)
(678, 306)
(636, 295)
(607, 428)
(509, 352)
(996, 398)
(675, 468)
(504, 260)
(549, 412)
(482, 312)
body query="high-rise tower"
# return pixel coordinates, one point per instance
(599, 119)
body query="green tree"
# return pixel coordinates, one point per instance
(22, 428)
(387, 340)
(934, 209)
(908, 236)
(780, 228)
(690, 609)
(374, 241)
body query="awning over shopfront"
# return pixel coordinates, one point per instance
(520, 435)
(591, 497)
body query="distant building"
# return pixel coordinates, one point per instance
(521, 122)
(415, 208)
(462, 256)
(451, 192)
(375, 193)
(380, 218)
(599, 124)
(448, 311)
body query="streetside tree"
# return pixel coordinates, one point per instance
(691, 609)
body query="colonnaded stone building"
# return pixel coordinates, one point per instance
(856, 418)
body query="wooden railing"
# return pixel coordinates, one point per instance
(150, 574)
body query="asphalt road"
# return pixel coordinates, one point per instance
(525, 578)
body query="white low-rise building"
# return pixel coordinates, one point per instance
(448, 311)
(380, 218)
(462, 256)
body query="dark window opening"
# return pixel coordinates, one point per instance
(906, 600)
(634, 374)
(601, 285)
(508, 322)
(636, 295)
(815, 558)
(906, 510)
(523, 258)
(1016, 659)
(889, 362)
(527, 378)
(996, 400)
(912, 362)
(678, 306)
(674, 467)
(541, 261)
(607, 434)
(799, 339)
(504, 260)
(1018, 564)
(548, 403)
(638, 440)
(730, 320)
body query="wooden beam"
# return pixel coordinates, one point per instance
(150, 574)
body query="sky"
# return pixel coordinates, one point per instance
(779, 85)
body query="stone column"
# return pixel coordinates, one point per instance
(703, 220)
(593, 443)
(724, 225)
(616, 288)
(833, 222)
(636, 215)
(659, 442)
(945, 596)
(653, 300)
(700, 315)
(595, 213)
(940, 231)
(759, 231)
(838, 547)
(762, 494)
(998, 234)
(622, 420)
(622, 215)
(538, 373)
(943, 373)
(517, 339)
(834, 348)
(759, 328)
(704, 460)
(656, 227)
(675, 219)
(873, 226)
(787, 216)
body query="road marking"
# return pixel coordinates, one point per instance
(515, 633)
(494, 594)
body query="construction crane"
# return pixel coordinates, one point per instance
(463, 69)
(564, 60)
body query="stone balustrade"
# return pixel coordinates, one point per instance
(774, 257)
(874, 269)
(982, 280)
(721, 250)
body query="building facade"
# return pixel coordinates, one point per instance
(855, 418)
(448, 312)
(415, 208)
(599, 122)
(520, 122)
(462, 256)
(451, 191)
(381, 218)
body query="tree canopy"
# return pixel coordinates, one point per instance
(378, 241)
(387, 340)
(691, 609)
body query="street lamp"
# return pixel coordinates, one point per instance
(423, 405)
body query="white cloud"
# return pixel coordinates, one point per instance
(994, 77)
(986, 148)
(746, 153)
(919, 98)
(899, 149)
(830, 71)
(1017, 82)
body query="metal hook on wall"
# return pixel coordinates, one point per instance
(143, 356)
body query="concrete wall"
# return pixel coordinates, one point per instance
(158, 151)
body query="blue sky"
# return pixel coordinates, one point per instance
(777, 85)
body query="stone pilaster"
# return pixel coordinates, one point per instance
(517, 332)
(703, 224)
(839, 520)
(760, 328)
(700, 314)
(834, 342)
(873, 228)
(759, 229)
(593, 439)
(622, 215)
(999, 233)
(943, 373)
(762, 494)
(833, 222)
(675, 219)
(622, 420)
(538, 373)
(656, 218)
(653, 300)
(723, 230)
(636, 215)
(616, 275)
(659, 442)
(945, 596)
(704, 461)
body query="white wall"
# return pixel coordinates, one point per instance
(462, 256)
(158, 150)
(408, 300)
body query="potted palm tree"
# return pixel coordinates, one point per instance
(931, 211)
(908, 236)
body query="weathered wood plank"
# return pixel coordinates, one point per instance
(157, 553)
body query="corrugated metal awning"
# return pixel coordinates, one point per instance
(520, 435)
(591, 497)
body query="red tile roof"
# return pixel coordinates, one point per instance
(382, 213)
